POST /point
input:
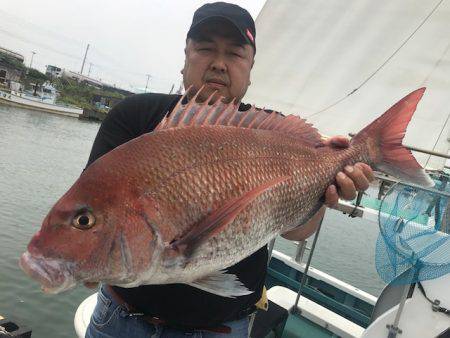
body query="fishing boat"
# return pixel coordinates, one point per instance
(43, 100)
(340, 65)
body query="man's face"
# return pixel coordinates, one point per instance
(218, 59)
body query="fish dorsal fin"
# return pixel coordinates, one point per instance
(195, 113)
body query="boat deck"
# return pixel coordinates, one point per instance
(310, 319)
(297, 326)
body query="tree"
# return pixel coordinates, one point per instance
(36, 76)
(11, 62)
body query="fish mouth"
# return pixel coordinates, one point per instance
(54, 275)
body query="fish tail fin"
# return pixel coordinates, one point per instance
(383, 141)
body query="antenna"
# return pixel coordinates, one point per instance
(90, 66)
(146, 85)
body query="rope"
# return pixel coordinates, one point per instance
(438, 138)
(383, 64)
(435, 303)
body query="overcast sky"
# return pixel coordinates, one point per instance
(128, 39)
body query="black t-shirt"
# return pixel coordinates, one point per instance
(178, 304)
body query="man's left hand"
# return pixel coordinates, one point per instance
(352, 179)
(349, 181)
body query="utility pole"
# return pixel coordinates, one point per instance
(32, 56)
(90, 66)
(180, 89)
(31, 62)
(146, 85)
(84, 60)
(171, 89)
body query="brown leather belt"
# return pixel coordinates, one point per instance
(158, 321)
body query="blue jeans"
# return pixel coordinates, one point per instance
(110, 320)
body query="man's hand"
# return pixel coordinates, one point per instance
(352, 179)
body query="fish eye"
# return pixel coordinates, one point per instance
(84, 220)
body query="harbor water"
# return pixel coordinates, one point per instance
(41, 155)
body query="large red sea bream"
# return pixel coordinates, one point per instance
(207, 188)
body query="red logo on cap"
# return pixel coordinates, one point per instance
(250, 36)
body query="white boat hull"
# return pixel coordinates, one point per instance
(28, 103)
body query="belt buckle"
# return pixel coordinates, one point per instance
(135, 314)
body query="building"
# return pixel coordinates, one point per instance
(67, 74)
(53, 71)
(11, 67)
(17, 56)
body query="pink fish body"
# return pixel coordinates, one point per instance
(210, 186)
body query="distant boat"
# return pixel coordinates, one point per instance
(43, 101)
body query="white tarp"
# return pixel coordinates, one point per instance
(310, 54)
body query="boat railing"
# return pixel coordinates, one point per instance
(300, 250)
(355, 209)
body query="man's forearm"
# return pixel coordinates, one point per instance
(307, 229)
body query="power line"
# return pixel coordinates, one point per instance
(437, 139)
(77, 58)
(118, 71)
(23, 24)
(20, 22)
(23, 39)
(90, 66)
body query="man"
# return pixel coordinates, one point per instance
(219, 55)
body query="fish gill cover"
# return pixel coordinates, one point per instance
(414, 237)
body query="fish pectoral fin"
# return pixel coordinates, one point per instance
(219, 219)
(222, 284)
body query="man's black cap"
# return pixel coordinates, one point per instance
(235, 14)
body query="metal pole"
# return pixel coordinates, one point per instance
(146, 85)
(84, 60)
(394, 180)
(394, 329)
(32, 56)
(90, 66)
(270, 249)
(301, 248)
(429, 152)
(31, 62)
(420, 150)
(305, 273)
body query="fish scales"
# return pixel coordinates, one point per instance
(250, 157)
(210, 186)
(244, 160)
